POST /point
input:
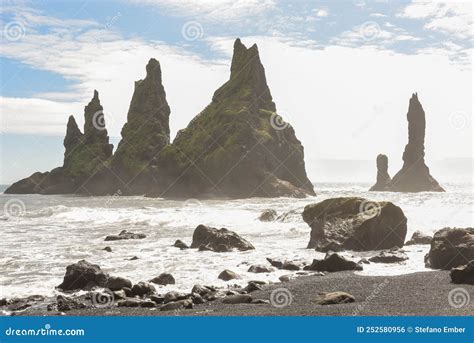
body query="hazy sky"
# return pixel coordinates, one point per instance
(340, 72)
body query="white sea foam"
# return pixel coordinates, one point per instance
(55, 231)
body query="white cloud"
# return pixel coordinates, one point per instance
(322, 13)
(449, 17)
(224, 10)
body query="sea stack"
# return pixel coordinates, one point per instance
(238, 146)
(414, 175)
(144, 135)
(383, 178)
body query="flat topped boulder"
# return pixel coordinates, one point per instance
(333, 263)
(451, 247)
(219, 240)
(415, 175)
(124, 234)
(355, 224)
(83, 275)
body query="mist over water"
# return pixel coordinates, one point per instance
(52, 232)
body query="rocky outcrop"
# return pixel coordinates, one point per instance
(83, 275)
(390, 256)
(124, 234)
(450, 248)
(355, 224)
(414, 175)
(221, 240)
(145, 134)
(85, 159)
(333, 263)
(238, 146)
(383, 178)
(463, 274)
(419, 237)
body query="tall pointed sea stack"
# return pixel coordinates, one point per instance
(383, 178)
(85, 159)
(145, 134)
(414, 175)
(237, 146)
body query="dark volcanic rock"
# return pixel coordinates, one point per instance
(260, 269)
(414, 175)
(334, 298)
(268, 216)
(333, 263)
(219, 240)
(227, 275)
(115, 283)
(177, 305)
(383, 178)
(164, 279)
(143, 288)
(175, 296)
(451, 247)
(419, 238)
(83, 275)
(391, 256)
(283, 264)
(238, 146)
(355, 224)
(180, 244)
(237, 299)
(145, 134)
(463, 274)
(84, 169)
(124, 234)
(108, 249)
(64, 304)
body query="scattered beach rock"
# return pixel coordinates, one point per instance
(157, 299)
(334, 298)
(67, 304)
(180, 244)
(83, 275)
(290, 216)
(175, 296)
(134, 258)
(124, 234)
(177, 305)
(363, 261)
(131, 302)
(286, 278)
(237, 299)
(197, 299)
(258, 268)
(219, 240)
(143, 288)
(286, 265)
(252, 286)
(260, 301)
(227, 275)
(390, 256)
(164, 279)
(115, 283)
(148, 304)
(419, 238)
(333, 263)
(451, 247)
(268, 215)
(355, 224)
(202, 290)
(463, 274)
(108, 249)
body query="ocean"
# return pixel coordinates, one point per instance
(41, 235)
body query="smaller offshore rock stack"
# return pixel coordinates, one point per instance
(415, 174)
(85, 157)
(383, 178)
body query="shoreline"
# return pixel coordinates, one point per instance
(415, 294)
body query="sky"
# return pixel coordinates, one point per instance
(341, 72)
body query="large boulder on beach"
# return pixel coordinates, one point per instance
(219, 240)
(389, 256)
(143, 288)
(451, 247)
(83, 275)
(227, 275)
(333, 263)
(164, 279)
(115, 283)
(355, 224)
(463, 274)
